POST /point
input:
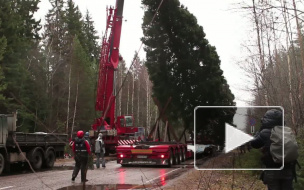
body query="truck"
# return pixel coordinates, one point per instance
(40, 149)
(119, 130)
(163, 152)
(166, 151)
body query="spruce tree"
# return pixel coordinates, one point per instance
(19, 33)
(55, 52)
(91, 44)
(83, 77)
(181, 62)
(73, 19)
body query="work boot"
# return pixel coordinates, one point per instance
(85, 181)
(73, 179)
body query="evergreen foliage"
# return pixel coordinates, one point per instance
(2, 50)
(182, 64)
(83, 77)
(20, 31)
(50, 80)
(35, 73)
(91, 38)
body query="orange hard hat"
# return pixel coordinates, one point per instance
(80, 134)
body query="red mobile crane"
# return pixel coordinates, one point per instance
(122, 129)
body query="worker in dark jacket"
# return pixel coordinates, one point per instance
(82, 150)
(274, 179)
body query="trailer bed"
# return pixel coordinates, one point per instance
(152, 153)
(36, 139)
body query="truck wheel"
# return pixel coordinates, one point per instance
(49, 159)
(183, 155)
(179, 157)
(2, 161)
(36, 160)
(176, 158)
(170, 160)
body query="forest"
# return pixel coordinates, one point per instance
(49, 72)
(275, 59)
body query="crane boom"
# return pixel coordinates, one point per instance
(122, 129)
(105, 100)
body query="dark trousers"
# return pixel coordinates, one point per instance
(98, 156)
(81, 163)
(278, 180)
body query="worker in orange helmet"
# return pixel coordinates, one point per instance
(82, 150)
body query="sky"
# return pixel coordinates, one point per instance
(225, 29)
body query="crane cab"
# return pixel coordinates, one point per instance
(125, 125)
(125, 121)
(126, 129)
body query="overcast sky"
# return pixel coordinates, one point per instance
(225, 29)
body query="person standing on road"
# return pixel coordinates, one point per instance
(82, 150)
(274, 179)
(100, 151)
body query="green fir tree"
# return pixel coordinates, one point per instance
(181, 62)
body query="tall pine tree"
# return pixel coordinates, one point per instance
(20, 31)
(91, 44)
(55, 51)
(181, 62)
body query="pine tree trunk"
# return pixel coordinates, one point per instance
(36, 116)
(75, 107)
(297, 92)
(278, 65)
(132, 101)
(259, 46)
(299, 35)
(68, 106)
(289, 68)
(258, 36)
(128, 98)
(138, 89)
(147, 98)
(119, 98)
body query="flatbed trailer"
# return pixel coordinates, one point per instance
(163, 153)
(152, 153)
(40, 148)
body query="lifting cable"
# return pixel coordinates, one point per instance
(140, 47)
(125, 78)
